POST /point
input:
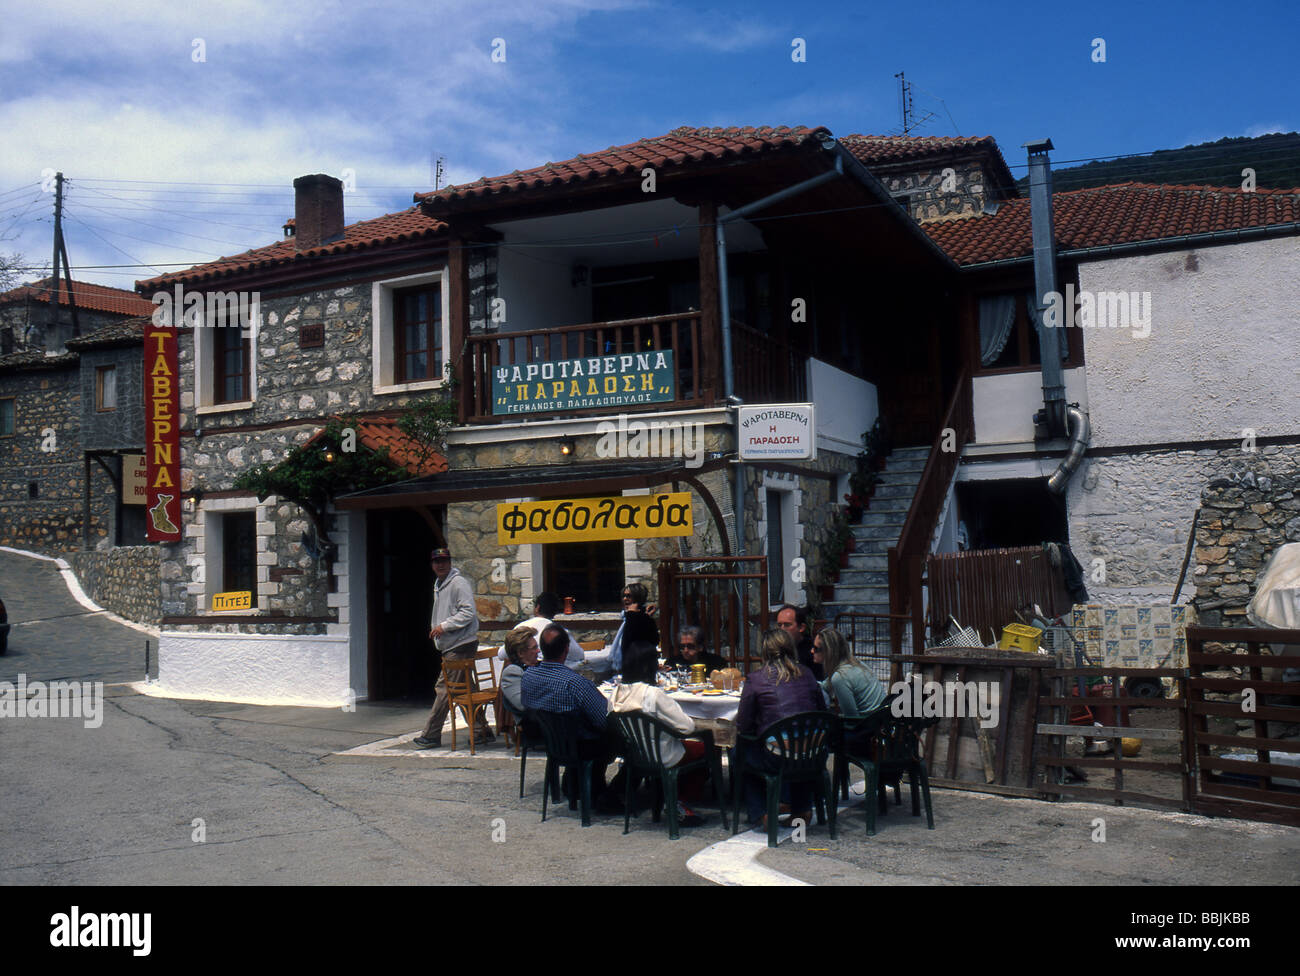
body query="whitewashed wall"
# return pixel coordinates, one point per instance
(255, 668)
(846, 406)
(1005, 404)
(1223, 352)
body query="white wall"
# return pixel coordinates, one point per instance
(1223, 352)
(257, 668)
(1005, 404)
(537, 293)
(846, 407)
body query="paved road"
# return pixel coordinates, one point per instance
(117, 804)
(52, 636)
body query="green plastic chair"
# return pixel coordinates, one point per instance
(870, 726)
(901, 754)
(561, 732)
(641, 734)
(795, 749)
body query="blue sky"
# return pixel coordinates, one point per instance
(173, 160)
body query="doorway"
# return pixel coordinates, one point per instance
(401, 661)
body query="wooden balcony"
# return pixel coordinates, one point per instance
(766, 371)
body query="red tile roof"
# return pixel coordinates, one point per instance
(403, 450)
(681, 147)
(395, 228)
(92, 297)
(1124, 213)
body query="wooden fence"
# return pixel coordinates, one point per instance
(983, 588)
(726, 596)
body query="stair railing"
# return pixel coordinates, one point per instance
(907, 559)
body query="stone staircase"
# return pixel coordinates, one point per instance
(863, 586)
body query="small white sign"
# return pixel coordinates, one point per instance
(781, 431)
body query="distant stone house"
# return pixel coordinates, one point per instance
(609, 260)
(71, 438)
(27, 320)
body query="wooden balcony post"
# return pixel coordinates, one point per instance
(709, 353)
(460, 353)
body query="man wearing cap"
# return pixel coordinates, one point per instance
(455, 635)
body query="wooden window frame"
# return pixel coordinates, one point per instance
(100, 371)
(434, 358)
(1073, 336)
(220, 346)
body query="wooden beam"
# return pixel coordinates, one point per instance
(458, 273)
(710, 301)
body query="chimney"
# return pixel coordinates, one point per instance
(318, 210)
(1040, 219)
(288, 227)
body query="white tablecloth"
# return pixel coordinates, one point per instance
(722, 707)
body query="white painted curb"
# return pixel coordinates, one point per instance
(78, 594)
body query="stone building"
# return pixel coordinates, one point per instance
(71, 437)
(1180, 362)
(610, 261)
(28, 322)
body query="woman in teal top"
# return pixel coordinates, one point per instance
(849, 683)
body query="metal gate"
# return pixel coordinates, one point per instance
(724, 595)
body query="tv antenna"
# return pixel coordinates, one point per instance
(436, 170)
(910, 121)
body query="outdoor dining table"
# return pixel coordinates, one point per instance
(717, 713)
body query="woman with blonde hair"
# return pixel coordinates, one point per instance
(522, 652)
(781, 687)
(848, 682)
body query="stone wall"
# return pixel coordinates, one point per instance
(928, 199)
(1245, 518)
(51, 522)
(124, 580)
(1134, 511)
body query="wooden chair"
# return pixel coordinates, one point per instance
(472, 687)
(591, 645)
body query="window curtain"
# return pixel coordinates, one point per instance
(997, 318)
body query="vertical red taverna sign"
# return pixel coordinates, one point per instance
(162, 435)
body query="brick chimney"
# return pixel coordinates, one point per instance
(318, 210)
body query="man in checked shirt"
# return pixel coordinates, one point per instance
(549, 686)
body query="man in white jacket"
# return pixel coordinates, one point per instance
(455, 635)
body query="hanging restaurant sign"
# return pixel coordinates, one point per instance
(784, 431)
(593, 519)
(162, 435)
(579, 384)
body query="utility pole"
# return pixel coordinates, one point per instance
(61, 250)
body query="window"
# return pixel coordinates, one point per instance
(411, 332)
(7, 417)
(239, 553)
(1006, 338)
(417, 330)
(590, 572)
(230, 356)
(106, 388)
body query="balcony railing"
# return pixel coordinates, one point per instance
(767, 371)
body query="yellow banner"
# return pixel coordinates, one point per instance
(234, 600)
(592, 519)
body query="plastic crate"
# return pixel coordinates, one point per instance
(1020, 637)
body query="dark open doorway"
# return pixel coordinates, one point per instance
(401, 658)
(1011, 513)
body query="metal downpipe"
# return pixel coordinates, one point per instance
(1080, 432)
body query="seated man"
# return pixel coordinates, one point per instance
(545, 607)
(794, 621)
(549, 686)
(691, 649)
